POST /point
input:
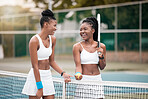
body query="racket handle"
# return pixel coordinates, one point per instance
(99, 53)
(98, 43)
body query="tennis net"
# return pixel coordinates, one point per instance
(11, 85)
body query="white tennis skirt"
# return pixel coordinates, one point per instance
(30, 87)
(84, 91)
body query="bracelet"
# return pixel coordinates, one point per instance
(101, 57)
(62, 73)
(39, 85)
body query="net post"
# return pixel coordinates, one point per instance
(50, 5)
(64, 90)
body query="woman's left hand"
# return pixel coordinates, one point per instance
(99, 49)
(67, 77)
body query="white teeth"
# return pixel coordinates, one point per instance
(84, 34)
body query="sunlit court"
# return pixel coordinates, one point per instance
(122, 27)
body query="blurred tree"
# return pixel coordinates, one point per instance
(66, 4)
(11, 10)
(9, 23)
(14, 23)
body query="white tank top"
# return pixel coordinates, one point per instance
(43, 52)
(88, 58)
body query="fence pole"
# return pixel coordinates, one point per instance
(27, 35)
(13, 37)
(116, 36)
(140, 34)
(50, 5)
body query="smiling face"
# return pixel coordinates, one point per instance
(51, 26)
(86, 31)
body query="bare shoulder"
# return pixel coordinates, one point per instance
(53, 38)
(102, 45)
(76, 45)
(34, 40)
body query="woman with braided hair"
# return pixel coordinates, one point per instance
(39, 81)
(88, 61)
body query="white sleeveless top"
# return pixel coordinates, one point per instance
(88, 58)
(43, 52)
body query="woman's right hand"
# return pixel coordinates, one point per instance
(78, 77)
(67, 77)
(39, 93)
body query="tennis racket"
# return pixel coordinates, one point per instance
(98, 18)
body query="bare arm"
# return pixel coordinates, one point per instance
(76, 55)
(102, 62)
(33, 45)
(54, 65)
(51, 58)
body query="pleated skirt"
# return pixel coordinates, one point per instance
(30, 87)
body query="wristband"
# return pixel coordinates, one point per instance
(39, 85)
(62, 73)
(78, 73)
(101, 57)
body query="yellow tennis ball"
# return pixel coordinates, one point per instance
(78, 75)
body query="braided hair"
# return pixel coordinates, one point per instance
(46, 16)
(94, 23)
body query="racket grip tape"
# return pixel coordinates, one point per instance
(99, 46)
